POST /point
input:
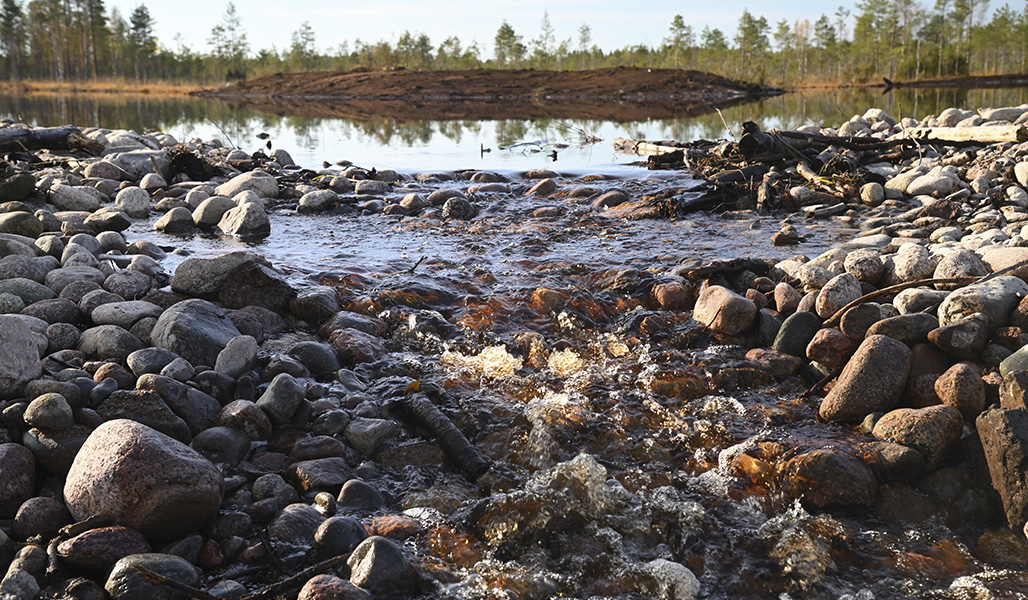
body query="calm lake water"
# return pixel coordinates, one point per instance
(418, 145)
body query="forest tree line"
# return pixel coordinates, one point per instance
(81, 40)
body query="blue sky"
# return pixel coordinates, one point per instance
(614, 24)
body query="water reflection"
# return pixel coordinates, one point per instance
(418, 144)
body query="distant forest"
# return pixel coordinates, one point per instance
(81, 40)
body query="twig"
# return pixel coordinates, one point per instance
(727, 128)
(297, 580)
(158, 579)
(213, 122)
(962, 281)
(411, 270)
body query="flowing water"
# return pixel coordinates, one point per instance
(631, 456)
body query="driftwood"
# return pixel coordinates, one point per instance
(769, 146)
(981, 135)
(456, 447)
(13, 139)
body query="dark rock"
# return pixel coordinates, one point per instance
(796, 333)
(40, 516)
(253, 284)
(330, 587)
(910, 329)
(98, 549)
(196, 408)
(17, 478)
(222, 445)
(19, 357)
(194, 329)
(322, 474)
(108, 341)
(1004, 436)
(356, 494)
(127, 582)
(147, 408)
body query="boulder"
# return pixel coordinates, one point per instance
(996, 298)
(259, 182)
(141, 478)
(827, 478)
(203, 277)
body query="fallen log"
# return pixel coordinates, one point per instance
(453, 443)
(15, 139)
(981, 135)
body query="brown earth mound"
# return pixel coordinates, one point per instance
(619, 94)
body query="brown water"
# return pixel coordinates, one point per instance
(616, 432)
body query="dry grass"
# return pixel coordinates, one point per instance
(102, 86)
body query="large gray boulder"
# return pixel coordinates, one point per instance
(194, 329)
(19, 356)
(141, 478)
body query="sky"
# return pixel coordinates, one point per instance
(613, 24)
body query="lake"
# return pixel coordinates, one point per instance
(420, 145)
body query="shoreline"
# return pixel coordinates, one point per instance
(320, 405)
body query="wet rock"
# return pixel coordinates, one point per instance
(330, 587)
(724, 311)
(372, 326)
(961, 387)
(459, 208)
(354, 347)
(322, 474)
(203, 277)
(897, 462)
(19, 357)
(827, 478)
(98, 549)
(282, 398)
(295, 525)
(931, 430)
(127, 582)
(356, 494)
(315, 305)
(910, 329)
(195, 330)
(872, 380)
(338, 535)
(1004, 437)
(996, 298)
(249, 220)
(253, 284)
(368, 435)
(964, 339)
(143, 479)
(319, 358)
(379, 566)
